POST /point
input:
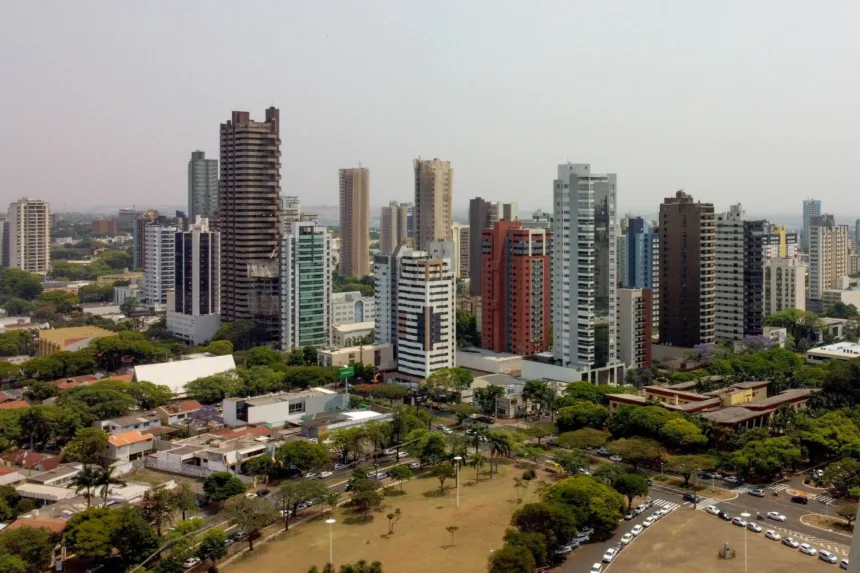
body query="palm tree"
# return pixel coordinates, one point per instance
(479, 433)
(86, 481)
(477, 461)
(499, 446)
(783, 419)
(105, 479)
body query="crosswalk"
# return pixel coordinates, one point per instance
(663, 504)
(824, 498)
(778, 487)
(704, 503)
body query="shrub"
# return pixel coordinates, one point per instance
(529, 475)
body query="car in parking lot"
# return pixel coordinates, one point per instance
(637, 529)
(338, 467)
(230, 541)
(732, 480)
(615, 458)
(629, 515)
(808, 549)
(415, 465)
(739, 521)
(758, 492)
(649, 521)
(725, 516)
(712, 509)
(843, 564)
(639, 509)
(691, 497)
(656, 515)
(771, 534)
(754, 527)
(791, 542)
(390, 452)
(626, 538)
(799, 499)
(586, 531)
(596, 568)
(775, 515)
(402, 455)
(190, 562)
(610, 555)
(564, 550)
(324, 475)
(827, 556)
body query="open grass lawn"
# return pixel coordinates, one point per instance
(688, 541)
(420, 543)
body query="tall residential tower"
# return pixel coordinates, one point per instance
(828, 255)
(434, 193)
(29, 238)
(811, 208)
(202, 186)
(354, 185)
(393, 227)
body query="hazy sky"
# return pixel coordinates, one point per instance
(733, 101)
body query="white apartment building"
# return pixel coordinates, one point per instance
(306, 267)
(416, 305)
(828, 254)
(729, 255)
(784, 285)
(28, 246)
(159, 264)
(583, 267)
(853, 264)
(635, 327)
(351, 307)
(291, 210)
(460, 237)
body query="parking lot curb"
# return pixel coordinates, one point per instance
(823, 528)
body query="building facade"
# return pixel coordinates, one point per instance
(202, 186)
(853, 264)
(515, 289)
(103, 227)
(635, 327)
(811, 208)
(159, 266)
(385, 273)
(29, 235)
(138, 237)
(687, 271)
(249, 220)
(828, 254)
(354, 186)
(352, 307)
(306, 269)
(482, 215)
(780, 244)
(393, 227)
(462, 242)
(195, 314)
(434, 194)
(583, 267)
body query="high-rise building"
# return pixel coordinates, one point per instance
(853, 264)
(639, 256)
(811, 208)
(4, 241)
(291, 211)
(393, 227)
(249, 220)
(103, 227)
(352, 307)
(354, 186)
(482, 215)
(857, 236)
(410, 220)
(202, 186)
(510, 211)
(515, 289)
(434, 193)
(828, 254)
(583, 267)
(385, 282)
(460, 234)
(29, 241)
(687, 271)
(780, 244)
(306, 269)
(138, 235)
(634, 327)
(194, 307)
(784, 285)
(159, 265)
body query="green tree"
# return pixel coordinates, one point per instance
(683, 434)
(12, 564)
(581, 414)
(17, 307)
(213, 546)
(462, 411)
(847, 509)
(221, 486)
(843, 474)
(391, 392)
(220, 348)
(365, 498)
(467, 330)
(15, 283)
(401, 474)
(32, 545)
(158, 507)
(477, 461)
(765, 458)
(485, 398)
(533, 541)
(630, 486)
(40, 391)
(501, 444)
(88, 534)
(687, 465)
(213, 389)
(263, 356)
(571, 461)
(591, 502)
(541, 431)
(132, 536)
(292, 493)
(301, 456)
(87, 482)
(583, 438)
(250, 515)
(105, 479)
(511, 559)
(443, 472)
(555, 523)
(259, 466)
(534, 392)
(184, 499)
(150, 396)
(637, 451)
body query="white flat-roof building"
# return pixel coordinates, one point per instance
(351, 307)
(838, 351)
(177, 373)
(278, 409)
(484, 360)
(351, 334)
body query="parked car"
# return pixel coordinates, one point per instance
(415, 465)
(402, 455)
(564, 550)
(791, 542)
(817, 474)
(615, 458)
(441, 427)
(799, 499)
(647, 503)
(754, 527)
(827, 556)
(263, 493)
(586, 531)
(609, 555)
(629, 515)
(230, 541)
(338, 467)
(250, 495)
(756, 492)
(602, 451)
(732, 480)
(775, 515)
(324, 475)
(639, 509)
(626, 538)
(390, 452)
(311, 475)
(739, 521)
(190, 562)
(637, 529)
(843, 564)
(596, 568)
(808, 549)
(649, 521)
(771, 534)
(691, 497)
(286, 513)
(447, 431)
(725, 516)
(712, 509)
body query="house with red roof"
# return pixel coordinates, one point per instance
(130, 446)
(13, 404)
(178, 412)
(30, 460)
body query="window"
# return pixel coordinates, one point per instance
(297, 407)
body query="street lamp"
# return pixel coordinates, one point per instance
(458, 459)
(746, 516)
(330, 522)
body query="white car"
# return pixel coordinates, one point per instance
(190, 562)
(250, 495)
(791, 542)
(656, 515)
(739, 521)
(843, 564)
(402, 455)
(596, 568)
(311, 475)
(808, 549)
(324, 475)
(626, 538)
(341, 466)
(564, 550)
(637, 529)
(712, 509)
(648, 522)
(827, 556)
(640, 509)
(286, 512)
(775, 515)
(771, 534)
(610, 555)
(615, 459)
(754, 527)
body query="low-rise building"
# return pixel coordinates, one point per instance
(61, 476)
(512, 404)
(351, 334)
(44, 494)
(845, 296)
(30, 460)
(319, 425)
(838, 351)
(10, 476)
(279, 409)
(177, 373)
(69, 383)
(125, 275)
(143, 421)
(72, 338)
(206, 454)
(543, 367)
(130, 446)
(481, 360)
(178, 412)
(352, 307)
(379, 355)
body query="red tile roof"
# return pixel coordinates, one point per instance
(51, 524)
(29, 460)
(128, 438)
(120, 377)
(14, 404)
(231, 433)
(67, 383)
(180, 407)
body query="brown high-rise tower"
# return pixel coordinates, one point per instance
(688, 282)
(354, 222)
(434, 192)
(248, 219)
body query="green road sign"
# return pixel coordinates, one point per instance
(346, 372)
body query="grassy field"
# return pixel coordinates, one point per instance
(688, 541)
(420, 543)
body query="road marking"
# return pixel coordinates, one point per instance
(704, 503)
(826, 499)
(779, 487)
(667, 504)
